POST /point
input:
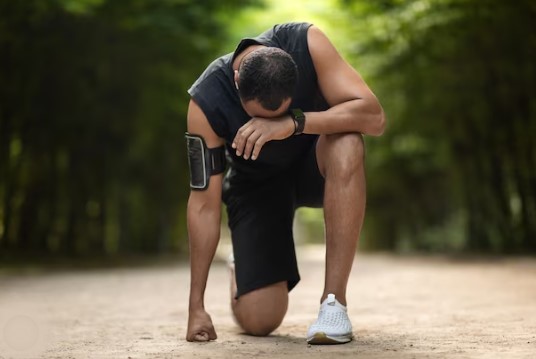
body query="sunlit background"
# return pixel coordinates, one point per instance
(93, 111)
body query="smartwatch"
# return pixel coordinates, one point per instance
(299, 120)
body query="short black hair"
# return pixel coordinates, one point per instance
(268, 75)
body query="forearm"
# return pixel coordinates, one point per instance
(360, 115)
(204, 234)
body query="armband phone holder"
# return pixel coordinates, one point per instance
(203, 161)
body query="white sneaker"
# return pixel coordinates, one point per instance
(332, 326)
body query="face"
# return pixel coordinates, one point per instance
(254, 109)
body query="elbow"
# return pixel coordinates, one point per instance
(378, 123)
(201, 203)
(381, 123)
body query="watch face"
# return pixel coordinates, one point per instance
(297, 113)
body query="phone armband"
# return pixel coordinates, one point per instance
(203, 161)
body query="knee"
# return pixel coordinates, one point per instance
(259, 321)
(260, 312)
(346, 154)
(260, 327)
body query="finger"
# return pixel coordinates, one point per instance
(258, 146)
(241, 137)
(192, 337)
(250, 143)
(238, 135)
(201, 337)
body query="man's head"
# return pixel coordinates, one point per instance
(266, 80)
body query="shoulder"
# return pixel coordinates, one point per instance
(211, 93)
(292, 27)
(321, 48)
(291, 30)
(316, 38)
(214, 72)
(291, 36)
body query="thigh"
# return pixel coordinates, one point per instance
(260, 219)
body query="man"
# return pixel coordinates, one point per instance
(290, 113)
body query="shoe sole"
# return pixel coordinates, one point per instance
(321, 338)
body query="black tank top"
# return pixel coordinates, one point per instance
(215, 93)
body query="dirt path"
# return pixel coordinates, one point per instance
(400, 308)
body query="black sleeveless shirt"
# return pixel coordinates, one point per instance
(215, 93)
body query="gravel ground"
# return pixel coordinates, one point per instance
(401, 307)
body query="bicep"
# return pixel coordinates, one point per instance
(338, 81)
(198, 125)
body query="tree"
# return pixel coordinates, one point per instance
(457, 166)
(92, 115)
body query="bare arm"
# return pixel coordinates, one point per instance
(353, 106)
(203, 216)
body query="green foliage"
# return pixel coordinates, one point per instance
(93, 103)
(80, 6)
(458, 160)
(92, 115)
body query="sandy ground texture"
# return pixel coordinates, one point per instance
(400, 307)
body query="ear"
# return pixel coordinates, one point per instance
(236, 79)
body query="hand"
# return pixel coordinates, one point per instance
(256, 132)
(200, 328)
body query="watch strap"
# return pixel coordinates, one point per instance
(299, 120)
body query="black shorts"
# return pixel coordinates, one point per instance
(261, 218)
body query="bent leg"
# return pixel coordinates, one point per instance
(265, 266)
(341, 161)
(260, 311)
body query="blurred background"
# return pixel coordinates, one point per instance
(93, 110)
